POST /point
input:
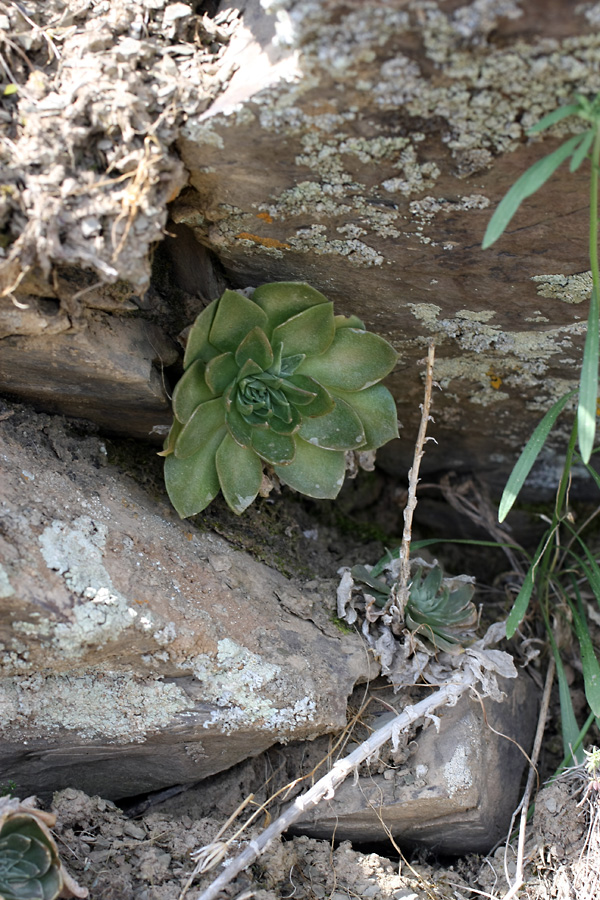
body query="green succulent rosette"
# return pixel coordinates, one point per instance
(30, 867)
(276, 379)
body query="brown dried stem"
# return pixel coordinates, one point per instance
(401, 590)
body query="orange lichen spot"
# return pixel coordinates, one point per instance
(265, 217)
(264, 242)
(495, 380)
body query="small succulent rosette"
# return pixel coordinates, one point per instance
(279, 379)
(30, 867)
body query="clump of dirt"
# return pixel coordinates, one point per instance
(92, 95)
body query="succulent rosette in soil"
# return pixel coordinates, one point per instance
(30, 867)
(278, 379)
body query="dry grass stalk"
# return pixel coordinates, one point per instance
(401, 589)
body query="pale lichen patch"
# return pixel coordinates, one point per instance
(249, 691)
(75, 551)
(569, 288)
(114, 704)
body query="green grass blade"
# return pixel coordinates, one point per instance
(582, 151)
(589, 567)
(529, 455)
(568, 758)
(555, 116)
(589, 662)
(524, 187)
(588, 388)
(519, 609)
(569, 726)
(593, 475)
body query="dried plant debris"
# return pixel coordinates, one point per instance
(92, 94)
(437, 622)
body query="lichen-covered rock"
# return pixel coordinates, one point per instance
(136, 651)
(365, 154)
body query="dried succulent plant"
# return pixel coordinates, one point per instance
(444, 618)
(279, 379)
(30, 867)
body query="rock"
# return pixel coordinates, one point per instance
(107, 371)
(137, 651)
(453, 791)
(362, 147)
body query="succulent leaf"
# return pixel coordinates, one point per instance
(354, 361)
(285, 299)
(30, 867)
(190, 391)
(376, 409)
(220, 372)
(193, 482)
(240, 474)
(274, 379)
(446, 619)
(198, 346)
(314, 472)
(236, 315)
(322, 403)
(273, 447)
(341, 429)
(310, 332)
(256, 347)
(207, 418)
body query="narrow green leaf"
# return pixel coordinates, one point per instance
(521, 604)
(589, 662)
(524, 187)
(314, 472)
(529, 455)
(569, 726)
(240, 474)
(582, 151)
(555, 116)
(588, 388)
(341, 429)
(593, 475)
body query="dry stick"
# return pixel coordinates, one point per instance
(326, 786)
(537, 746)
(401, 590)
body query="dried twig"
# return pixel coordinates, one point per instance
(401, 588)
(325, 788)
